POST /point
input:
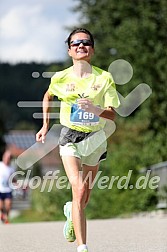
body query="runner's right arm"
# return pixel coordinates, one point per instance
(40, 136)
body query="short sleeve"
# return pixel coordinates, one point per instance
(56, 87)
(110, 95)
(52, 86)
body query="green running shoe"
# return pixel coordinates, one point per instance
(68, 230)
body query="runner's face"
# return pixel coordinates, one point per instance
(81, 51)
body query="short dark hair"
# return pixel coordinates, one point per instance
(78, 30)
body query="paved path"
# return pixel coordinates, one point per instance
(113, 235)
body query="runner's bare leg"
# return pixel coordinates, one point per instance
(80, 192)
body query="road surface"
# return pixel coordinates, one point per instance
(113, 235)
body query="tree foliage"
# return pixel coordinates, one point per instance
(134, 31)
(2, 141)
(18, 84)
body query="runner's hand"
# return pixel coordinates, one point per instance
(40, 136)
(87, 105)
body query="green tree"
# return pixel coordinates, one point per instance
(22, 86)
(134, 31)
(2, 141)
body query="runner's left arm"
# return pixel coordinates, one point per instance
(87, 105)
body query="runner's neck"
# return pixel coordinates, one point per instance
(82, 69)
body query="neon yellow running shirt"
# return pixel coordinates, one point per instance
(98, 87)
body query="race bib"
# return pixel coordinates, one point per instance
(81, 117)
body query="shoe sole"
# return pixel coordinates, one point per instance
(66, 213)
(72, 240)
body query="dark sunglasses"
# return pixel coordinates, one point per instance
(85, 42)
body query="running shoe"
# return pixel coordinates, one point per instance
(68, 230)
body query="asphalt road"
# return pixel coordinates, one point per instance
(113, 235)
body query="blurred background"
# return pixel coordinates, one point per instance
(32, 40)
